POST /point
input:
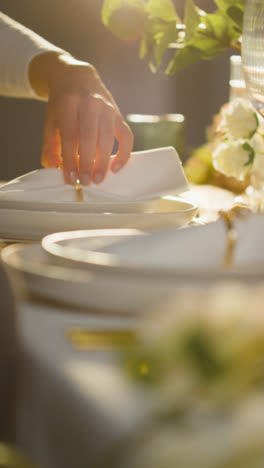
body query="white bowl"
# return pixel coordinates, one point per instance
(34, 225)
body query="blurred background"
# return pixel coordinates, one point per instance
(197, 92)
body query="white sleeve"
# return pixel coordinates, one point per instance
(18, 46)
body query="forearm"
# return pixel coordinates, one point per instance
(18, 47)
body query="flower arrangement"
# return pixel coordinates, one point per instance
(239, 145)
(235, 145)
(158, 27)
(200, 363)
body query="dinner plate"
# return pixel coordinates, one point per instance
(103, 206)
(112, 291)
(54, 319)
(30, 270)
(195, 254)
(33, 225)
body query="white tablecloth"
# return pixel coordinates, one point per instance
(74, 405)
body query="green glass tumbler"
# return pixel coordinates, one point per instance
(157, 131)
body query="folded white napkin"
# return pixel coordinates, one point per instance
(195, 248)
(147, 175)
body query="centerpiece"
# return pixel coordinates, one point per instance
(158, 27)
(233, 155)
(166, 40)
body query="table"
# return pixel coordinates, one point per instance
(74, 406)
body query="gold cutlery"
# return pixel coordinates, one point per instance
(85, 339)
(78, 190)
(238, 211)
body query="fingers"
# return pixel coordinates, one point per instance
(51, 148)
(97, 135)
(106, 138)
(69, 133)
(126, 139)
(89, 122)
(86, 125)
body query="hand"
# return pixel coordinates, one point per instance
(82, 119)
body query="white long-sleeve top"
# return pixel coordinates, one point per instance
(18, 46)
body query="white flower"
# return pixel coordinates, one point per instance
(257, 143)
(257, 173)
(234, 159)
(258, 168)
(239, 119)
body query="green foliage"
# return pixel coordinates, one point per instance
(199, 36)
(124, 18)
(251, 153)
(164, 10)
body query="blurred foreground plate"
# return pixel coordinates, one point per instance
(33, 225)
(31, 272)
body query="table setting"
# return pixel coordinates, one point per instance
(84, 295)
(139, 299)
(39, 202)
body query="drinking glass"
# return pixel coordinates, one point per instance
(253, 52)
(253, 71)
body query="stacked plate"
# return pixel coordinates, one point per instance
(130, 271)
(40, 203)
(22, 222)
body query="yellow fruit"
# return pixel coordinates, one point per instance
(127, 23)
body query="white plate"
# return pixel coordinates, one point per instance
(54, 319)
(193, 254)
(33, 225)
(110, 291)
(143, 206)
(30, 270)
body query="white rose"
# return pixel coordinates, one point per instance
(234, 159)
(257, 175)
(261, 124)
(239, 119)
(257, 143)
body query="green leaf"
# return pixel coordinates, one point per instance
(209, 46)
(201, 352)
(183, 58)
(124, 18)
(220, 26)
(237, 16)
(162, 9)
(191, 19)
(251, 153)
(153, 28)
(147, 45)
(163, 39)
(226, 4)
(234, 9)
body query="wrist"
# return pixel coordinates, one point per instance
(48, 70)
(44, 70)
